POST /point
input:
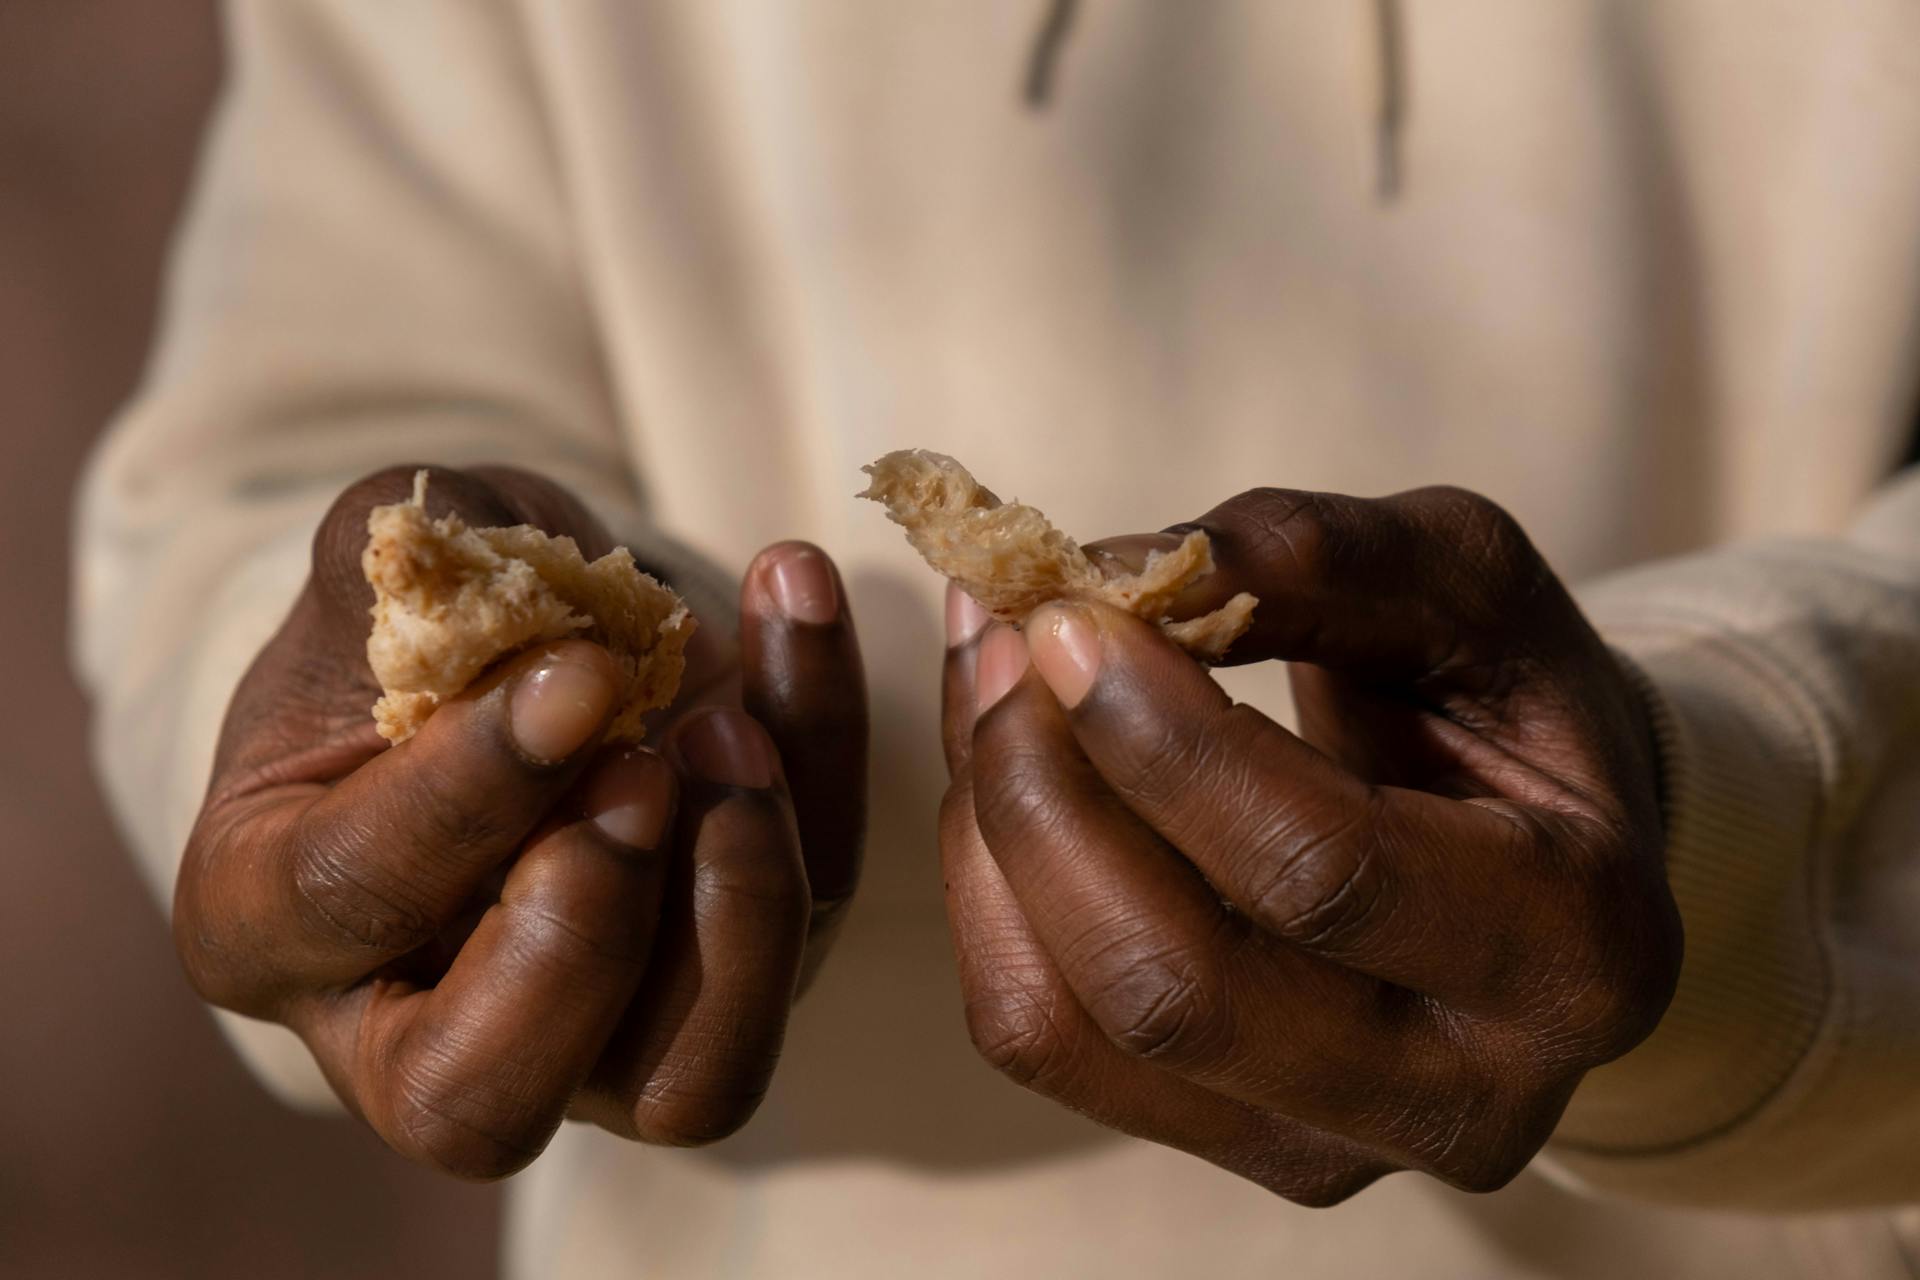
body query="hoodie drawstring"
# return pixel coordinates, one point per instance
(1044, 60)
(1390, 56)
(1390, 116)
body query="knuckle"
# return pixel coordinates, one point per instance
(1016, 800)
(1473, 530)
(709, 1084)
(201, 952)
(1487, 1174)
(469, 1130)
(701, 1116)
(1017, 1032)
(1490, 1154)
(1175, 766)
(1465, 513)
(227, 938)
(698, 1123)
(551, 940)
(207, 973)
(1631, 969)
(213, 977)
(350, 902)
(1490, 1131)
(1315, 885)
(1325, 1189)
(1593, 1019)
(1618, 1011)
(761, 882)
(1313, 1169)
(1285, 523)
(1160, 1004)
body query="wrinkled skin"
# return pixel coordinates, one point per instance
(468, 957)
(1394, 940)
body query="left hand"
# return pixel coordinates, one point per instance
(1395, 940)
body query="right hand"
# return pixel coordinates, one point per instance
(500, 923)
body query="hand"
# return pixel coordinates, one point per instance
(1394, 941)
(500, 922)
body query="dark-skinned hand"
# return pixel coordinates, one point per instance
(501, 922)
(1393, 940)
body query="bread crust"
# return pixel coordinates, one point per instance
(1007, 556)
(450, 600)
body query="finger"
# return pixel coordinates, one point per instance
(694, 1054)
(1166, 971)
(1403, 588)
(376, 865)
(1437, 591)
(1384, 738)
(1436, 599)
(1339, 718)
(1026, 1023)
(967, 623)
(803, 682)
(1115, 909)
(1396, 884)
(474, 1074)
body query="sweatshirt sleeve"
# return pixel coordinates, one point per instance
(375, 268)
(1784, 679)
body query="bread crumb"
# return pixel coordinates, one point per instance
(1009, 558)
(449, 601)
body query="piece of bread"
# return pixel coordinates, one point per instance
(449, 601)
(1006, 555)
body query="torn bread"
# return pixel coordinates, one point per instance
(1009, 558)
(449, 601)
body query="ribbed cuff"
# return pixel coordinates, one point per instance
(1741, 779)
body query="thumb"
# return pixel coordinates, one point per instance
(339, 585)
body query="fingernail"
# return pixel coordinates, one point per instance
(965, 617)
(558, 706)
(1130, 551)
(1065, 644)
(728, 747)
(630, 798)
(1003, 660)
(802, 585)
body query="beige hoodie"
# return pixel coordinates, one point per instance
(1650, 277)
